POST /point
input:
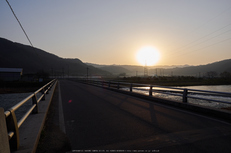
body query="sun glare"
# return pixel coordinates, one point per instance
(148, 56)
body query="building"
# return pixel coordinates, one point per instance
(10, 74)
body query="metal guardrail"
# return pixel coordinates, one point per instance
(11, 120)
(185, 93)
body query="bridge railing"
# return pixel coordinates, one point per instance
(11, 121)
(183, 93)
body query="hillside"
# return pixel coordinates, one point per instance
(180, 70)
(201, 70)
(132, 70)
(33, 60)
(115, 69)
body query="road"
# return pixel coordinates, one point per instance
(97, 118)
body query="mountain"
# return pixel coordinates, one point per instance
(165, 70)
(115, 69)
(33, 60)
(130, 70)
(201, 70)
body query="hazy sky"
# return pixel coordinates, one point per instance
(112, 31)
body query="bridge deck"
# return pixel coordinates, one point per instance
(96, 118)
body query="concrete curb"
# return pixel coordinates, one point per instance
(29, 132)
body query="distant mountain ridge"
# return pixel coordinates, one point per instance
(130, 70)
(33, 60)
(115, 69)
(182, 70)
(201, 70)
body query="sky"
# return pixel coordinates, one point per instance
(193, 32)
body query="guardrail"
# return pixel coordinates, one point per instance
(184, 93)
(11, 121)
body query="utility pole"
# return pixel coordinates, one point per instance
(87, 73)
(52, 73)
(145, 70)
(63, 72)
(68, 71)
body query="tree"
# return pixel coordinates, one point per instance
(211, 74)
(225, 74)
(42, 74)
(122, 74)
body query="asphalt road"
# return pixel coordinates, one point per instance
(97, 118)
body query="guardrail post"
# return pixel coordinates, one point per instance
(131, 87)
(12, 126)
(185, 93)
(49, 87)
(43, 92)
(109, 84)
(118, 85)
(4, 140)
(34, 101)
(150, 91)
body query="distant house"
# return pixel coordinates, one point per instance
(10, 74)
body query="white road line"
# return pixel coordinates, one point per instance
(61, 117)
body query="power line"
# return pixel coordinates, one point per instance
(206, 41)
(19, 23)
(180, 49)
(211, 19)
(206, 46)
(213, 37)
(197, 41)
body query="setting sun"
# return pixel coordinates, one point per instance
(148, 56)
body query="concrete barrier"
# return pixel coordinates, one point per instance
(30, 130)
(4, 142)
(219, 114)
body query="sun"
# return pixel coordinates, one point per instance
(148, 56)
